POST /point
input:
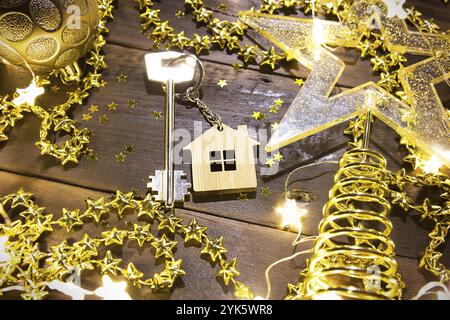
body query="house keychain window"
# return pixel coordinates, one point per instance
(222, 160)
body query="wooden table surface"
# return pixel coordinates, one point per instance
(250, 228)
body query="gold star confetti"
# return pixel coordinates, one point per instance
(270, 58)
(265, 191)
(274, 126)
(157, 115)
(121, 157)
(132, 103)
(70, 219)
(164, 247)
(121, 77)
(278, 157)
(222, 7)
(237, 66)
(129, 148)
(55, 88)
(86, 116)
(299, 82)
(279, 102)
(222, 83)
(96, 209)
(273, 109)
(104, 119)
(258, 115)
(122, 201)
(179, 14)
(112, 106)
(93, 108)
(242, 197)
(269, 162)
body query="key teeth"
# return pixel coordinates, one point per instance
(182, 186)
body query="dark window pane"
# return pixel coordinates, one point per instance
(215, 156)
(230, 165)
(229, 155)
(216, 166)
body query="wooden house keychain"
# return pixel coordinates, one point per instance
(223, 159)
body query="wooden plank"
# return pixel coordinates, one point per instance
(247, 242)
(125, 31)
(247, 91)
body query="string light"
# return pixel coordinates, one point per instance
(291, 215)
(112, 290)
(432, 165)
(29, 94)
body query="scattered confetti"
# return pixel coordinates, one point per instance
(86, 116)
(157, 115)
(222, 7)
(273, 109)
(55, 88)
(93, 108)
(104, 119)
(269, 162)
(129, 148)
(112, 106)
(265, 191)
(242, 197)
(274, 125)
(91, 155)
(132, 103)
(222, 83)
(122, 77)
(237, 66)
(278, 157)
(121, 157)
(279, 102)
(179, 13)
(258, 115)
(299, 82)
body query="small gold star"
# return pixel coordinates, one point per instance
(279, 102)
(269, 162)
(273, 109)
(55, 88)
(112, 106)
(278, 157)
(179, 13)
(122, 77)
(222, 7)
(222, 83)
(104, 119)
(129, 148)
(299, 82)
(242, 197)
(121, 157)
(86, 116)
(258, 115)
(237, 66)
(93, 108)
(274, 125)
(266, 191)
(132, 103)
(157, 115)
(228, 271)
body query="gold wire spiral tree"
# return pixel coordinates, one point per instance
(353, 256)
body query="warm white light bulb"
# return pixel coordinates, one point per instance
(112, 290)
(29, 94)
(291, 214)
(432, 165)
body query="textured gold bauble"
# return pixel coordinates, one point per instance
(47, 34)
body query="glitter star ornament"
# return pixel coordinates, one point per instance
(424, 123)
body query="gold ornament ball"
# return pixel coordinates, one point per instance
(47, 34)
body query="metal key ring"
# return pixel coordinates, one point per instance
(194, 90)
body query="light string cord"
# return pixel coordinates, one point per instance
(426, 290)
(297, 240)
